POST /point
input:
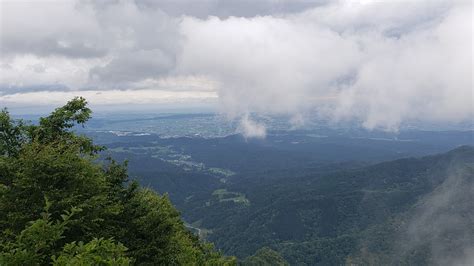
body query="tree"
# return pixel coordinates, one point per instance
(96, 252)
(265, 256)
(118, 220)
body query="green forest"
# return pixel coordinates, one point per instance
(61, 205)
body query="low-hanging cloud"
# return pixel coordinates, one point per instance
(251, 129)
(379, 63)
(441, 225)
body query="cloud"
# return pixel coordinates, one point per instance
(133, 66)
(59, 28)
(424, 74)
(112, 43)
(266, 64)
(111, 98)
(381, 64)
(441, 224)
(9, 89)
(251, 129)
(228, 8)
(378, 63)
(144, 43)
(25, 71)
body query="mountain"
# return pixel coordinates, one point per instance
(345, 197)
(414, 210)
(314, 200)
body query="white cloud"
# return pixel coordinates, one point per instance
(441, 222)
(55, 28)
(266, 64)
(381, 63)
(108, 44)
(250, 128)
(108, 97)
(422, 75)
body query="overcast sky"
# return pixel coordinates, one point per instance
(377, 62)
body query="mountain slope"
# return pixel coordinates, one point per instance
(333, 218)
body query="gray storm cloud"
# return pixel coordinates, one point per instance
(380, 63)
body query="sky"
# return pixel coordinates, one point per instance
(378, 63)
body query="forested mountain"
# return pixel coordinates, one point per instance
(59, 206)
(409, 211)
(316, 201)
(289, 199)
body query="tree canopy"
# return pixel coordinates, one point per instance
(60, 206)
(265, 256)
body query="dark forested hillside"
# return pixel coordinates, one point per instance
(59, 206)
(313, 200)
(365, 215)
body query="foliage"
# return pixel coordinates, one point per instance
(37, 241)
(265, 257)
(118, 222)
(11, 135)
(96, 252)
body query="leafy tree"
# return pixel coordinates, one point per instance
(96, 252)
(11, 135)
(37, 241)
(265, 257)
(49, 160)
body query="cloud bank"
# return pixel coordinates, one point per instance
(378, 63)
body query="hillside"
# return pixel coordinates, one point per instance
(314, 200)
(363, 215)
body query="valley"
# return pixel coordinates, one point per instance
(336, 198)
